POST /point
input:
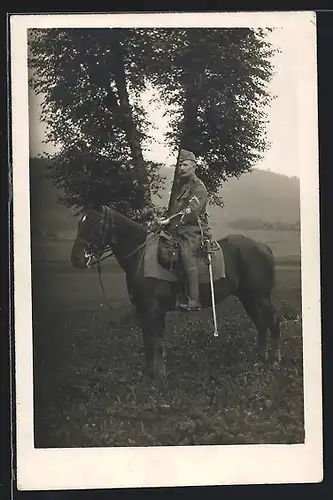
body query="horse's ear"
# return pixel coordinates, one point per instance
(98, 207)
(95, 204)
(92, 207)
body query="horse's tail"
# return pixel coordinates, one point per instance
(271, 271)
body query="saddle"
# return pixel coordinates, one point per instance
(168, 251)
(162, 261)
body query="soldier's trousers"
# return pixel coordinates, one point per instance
(190, 240)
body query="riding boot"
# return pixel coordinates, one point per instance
(193, 291)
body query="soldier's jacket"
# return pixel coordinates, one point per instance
(192, 199)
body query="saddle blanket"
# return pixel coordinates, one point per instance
(153, 269)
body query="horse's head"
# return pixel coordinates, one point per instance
(89, 242)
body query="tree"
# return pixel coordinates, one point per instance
(216, 82)
(98, 124)
(212, 81)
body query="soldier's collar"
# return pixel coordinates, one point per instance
(190, 181)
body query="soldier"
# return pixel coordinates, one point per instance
(193, 226)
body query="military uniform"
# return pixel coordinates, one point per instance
(192, 200)
(192, 228)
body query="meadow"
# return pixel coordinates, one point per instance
(89, 389)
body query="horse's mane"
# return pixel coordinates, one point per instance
(121, 218)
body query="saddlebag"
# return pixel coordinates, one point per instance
(168, 252)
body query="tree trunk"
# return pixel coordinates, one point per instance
(128, 125)
(193, 96)
(174, 188)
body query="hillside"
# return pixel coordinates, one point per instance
(259, 195)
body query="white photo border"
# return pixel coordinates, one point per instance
(95, 468)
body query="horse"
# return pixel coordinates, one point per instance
(249, 275)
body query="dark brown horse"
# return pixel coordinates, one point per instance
(249, 276)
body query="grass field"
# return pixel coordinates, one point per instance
(89, 387)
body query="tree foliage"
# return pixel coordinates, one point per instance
(94, 117)
(213, 83)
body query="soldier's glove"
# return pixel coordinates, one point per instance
(164, 222)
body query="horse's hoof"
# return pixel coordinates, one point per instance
(259, 366)
(160, 383)
(276, 365)
(160, 374)
(148, 372)
(158, 377)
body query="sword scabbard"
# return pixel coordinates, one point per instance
(211, 279)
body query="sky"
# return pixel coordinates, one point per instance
(282, 157)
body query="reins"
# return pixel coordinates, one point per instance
(102, 286)
(111, 254)
(99, 269)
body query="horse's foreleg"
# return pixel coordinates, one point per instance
(130, 289)
(148, 343)
(158, 319)
(153, 324)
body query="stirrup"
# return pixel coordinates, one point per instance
(187, 307)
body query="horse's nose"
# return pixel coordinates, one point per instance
(75, 260)
(77, 257)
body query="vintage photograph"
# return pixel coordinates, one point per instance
(168, 191)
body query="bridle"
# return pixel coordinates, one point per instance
(105, 251)
(94, 252)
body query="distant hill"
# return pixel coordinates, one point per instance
(259, 195)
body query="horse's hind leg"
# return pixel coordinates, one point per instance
(272, 321)
(268, 319)
(256, 312)
(275, 333)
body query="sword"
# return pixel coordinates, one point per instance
(210, 267)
